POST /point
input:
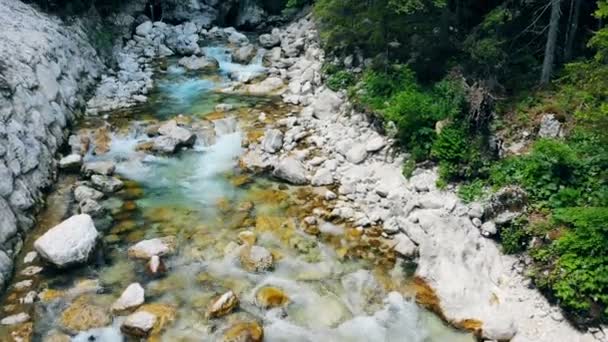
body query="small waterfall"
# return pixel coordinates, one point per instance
(236, 71)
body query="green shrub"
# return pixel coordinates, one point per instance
(580, 276)
(408, 168)
(514, 237)
(471, 191)
(340, 80)
(559, 173)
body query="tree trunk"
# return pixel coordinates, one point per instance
(550, 48)
(572, 28)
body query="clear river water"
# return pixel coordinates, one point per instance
(334, 284)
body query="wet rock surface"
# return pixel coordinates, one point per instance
(68, 243)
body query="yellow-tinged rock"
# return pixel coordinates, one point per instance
(129, 205)
(269, 196)
(271, 297)
(102, 140)
(215, 116)
(264, 223)
(165, 315)
(56, 336)
(240, 180)
(223, 305)
(223, 204)
(48, 295)
(82, 315)
(244, 332)
(23, 332)
(247, 238)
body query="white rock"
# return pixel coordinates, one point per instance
(24, 284)
(267, 86)
(131, 298)
(69, 242)
(375, 144)
(404, 245)
(139, 323)
(356, 154)
(91, 207)
(273, 141)
(291, 170)
(269, 41)
(106, 184)
(489, 229)
(550, 127)
(323, 176)
(71, 162)
(105, 168)
(330, 195)
(158, 246)
(29, 298)
(31, 270)
(83, 192)
(183, 136)
(199, 63)
(30, 257)
(15, 319)
(326, 104)
(144, 29)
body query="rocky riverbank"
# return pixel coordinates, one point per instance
(328, 143)
(46, 70)
(323, 143)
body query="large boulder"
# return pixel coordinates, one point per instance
(326, 104)
(291, 170)
(199, 63)
(244, 54)
(184, 137)
(273, 141)
(270, 40)
(267, 86)
(69, 242)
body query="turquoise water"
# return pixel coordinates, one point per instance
(197, 196)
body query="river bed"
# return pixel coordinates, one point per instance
(333, 283)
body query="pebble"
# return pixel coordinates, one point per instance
(15, 319)
(30, 257)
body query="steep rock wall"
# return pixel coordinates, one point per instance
(46, 69)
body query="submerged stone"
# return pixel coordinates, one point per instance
(271, 297)
(158, 246)
(244, 332)
(223, 305)
(256, 259)
(81, 316)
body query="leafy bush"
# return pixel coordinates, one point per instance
(514, 237)
(580, 276)
(340, 80)
(472, 191)
(556, 172)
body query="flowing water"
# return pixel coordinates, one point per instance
(340, 285)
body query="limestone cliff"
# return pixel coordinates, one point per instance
(46, 69)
